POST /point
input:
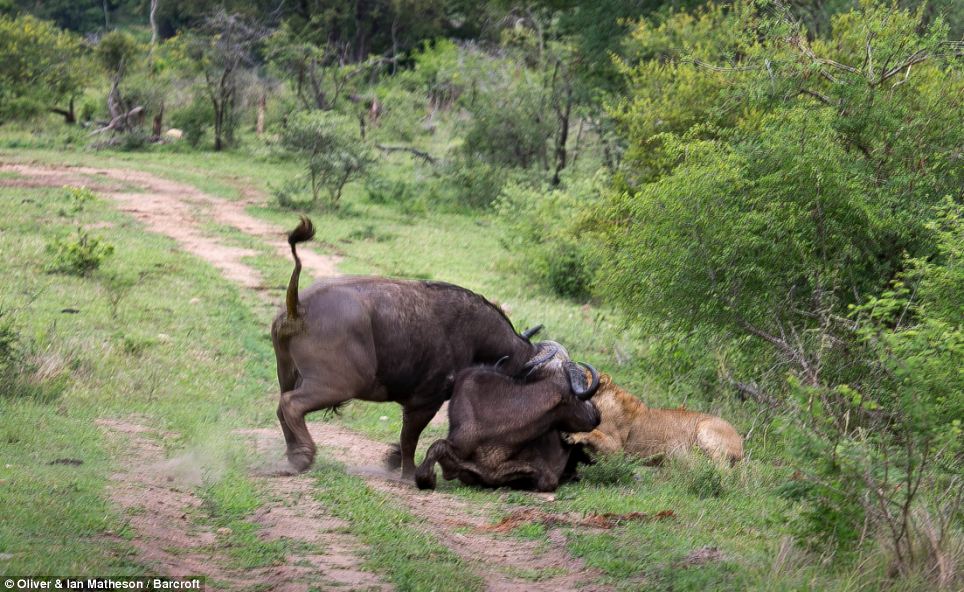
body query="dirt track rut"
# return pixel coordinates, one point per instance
(159, 502)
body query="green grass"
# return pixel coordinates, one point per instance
(410, 557)
(186, 349)
(229, 503)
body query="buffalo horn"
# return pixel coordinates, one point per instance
(528, 333)
(546, 352)
(585, 395)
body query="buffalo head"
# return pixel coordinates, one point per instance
(551, 360)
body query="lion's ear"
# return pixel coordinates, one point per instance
(605, 380)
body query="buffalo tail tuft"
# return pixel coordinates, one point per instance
(305, 231)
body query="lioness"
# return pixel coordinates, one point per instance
(629, 425)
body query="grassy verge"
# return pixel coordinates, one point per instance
(143, 335)
(410, 557)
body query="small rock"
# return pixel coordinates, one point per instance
(383, 418)
(163, 337)
(224, 531)
(195, 300)
(6, 556)
(8, 466)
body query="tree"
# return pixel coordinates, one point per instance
(220, 51)
(331, 149)
(116, 52)
(41, 68)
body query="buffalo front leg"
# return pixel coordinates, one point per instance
(414, 421)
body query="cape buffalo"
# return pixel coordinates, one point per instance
(508, 431)
(379, 339)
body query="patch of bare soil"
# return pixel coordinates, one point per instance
(156, 495)
(500, 560)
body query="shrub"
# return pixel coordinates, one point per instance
(287, 193)
(806, 230)
(509, 126)
(18, 375)
(194, 120)
(548, 228)
(79, 254)
(78, 197)
(330, 146)
(9, 355)
(471, 183)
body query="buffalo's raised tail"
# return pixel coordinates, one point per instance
(305, 231)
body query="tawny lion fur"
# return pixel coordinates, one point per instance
(629, 425)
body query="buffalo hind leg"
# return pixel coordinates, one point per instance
(297, 403)
(289, 380)
(443, 453)
(413, 422)
(425, 475)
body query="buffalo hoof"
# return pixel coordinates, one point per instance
(393, 458)
(425, 481)
(301, 459)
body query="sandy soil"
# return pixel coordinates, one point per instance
(157, 493)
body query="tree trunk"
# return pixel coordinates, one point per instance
(563, 137)
(68, 113)
(153, 19)
(158, 121)
(218, 126)
(259, 126)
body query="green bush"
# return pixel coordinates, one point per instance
(510, 125)
(787, 207)
(79, 254)
(78, 197)
(547, 228)
(286, 194)
(330, 146)
(194, 120)
(17, 373)
(9, 354)
(471, 183)
(41, 67)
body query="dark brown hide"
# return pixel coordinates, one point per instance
(380, 339)
(505, 432)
